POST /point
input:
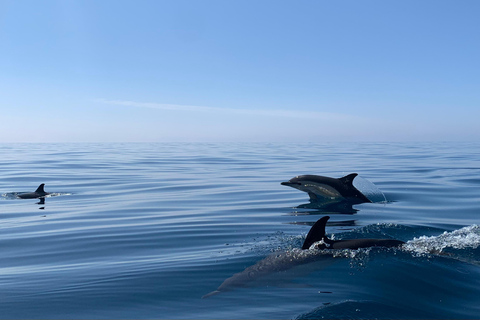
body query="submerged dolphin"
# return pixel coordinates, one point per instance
(39, 193)
(276, 268)
(320, 187)
(278, 263)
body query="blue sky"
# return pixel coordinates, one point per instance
(201, 70)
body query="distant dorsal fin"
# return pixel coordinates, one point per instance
(316, 233)
(348, 179)
(40, 188)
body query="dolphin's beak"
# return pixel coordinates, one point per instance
(288, 183)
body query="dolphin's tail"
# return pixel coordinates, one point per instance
(316, 233)
(211, 294)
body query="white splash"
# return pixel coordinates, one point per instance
(467, 237)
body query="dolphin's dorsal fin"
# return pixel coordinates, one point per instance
(348, 179)
(40, 188)
(316, 233)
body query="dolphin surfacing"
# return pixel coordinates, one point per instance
(278, 263)
(326, 188)
(317, 233)
(39, 193)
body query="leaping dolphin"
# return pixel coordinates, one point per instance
(39, 193)
(280, 262)
(325, 188)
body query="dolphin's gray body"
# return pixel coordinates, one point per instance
(281, 262)
(326, 188)
(39, 193)
(276, 268)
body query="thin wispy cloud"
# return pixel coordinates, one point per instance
(299, 114)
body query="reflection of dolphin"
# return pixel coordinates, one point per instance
(281, 262)
(325, 188)
(329, 207)
(33, 195)
(341, 223)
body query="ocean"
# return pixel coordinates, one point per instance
(146, 230)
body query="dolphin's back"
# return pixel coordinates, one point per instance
(365, 243)
(317, 233)
(40, 192)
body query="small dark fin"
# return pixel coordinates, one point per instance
(40, 188)
(348, 179)
(316, 233)
(355, 193)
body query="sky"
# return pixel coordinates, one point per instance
(239, 71)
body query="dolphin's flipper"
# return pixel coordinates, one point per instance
(316, 233)
(313, 197)
(40, 188)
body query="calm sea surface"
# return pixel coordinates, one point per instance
(146, 230)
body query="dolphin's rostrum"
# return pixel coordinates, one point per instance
(39, 193)
(326, 188)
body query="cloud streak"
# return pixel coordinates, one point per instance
(297, 114)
